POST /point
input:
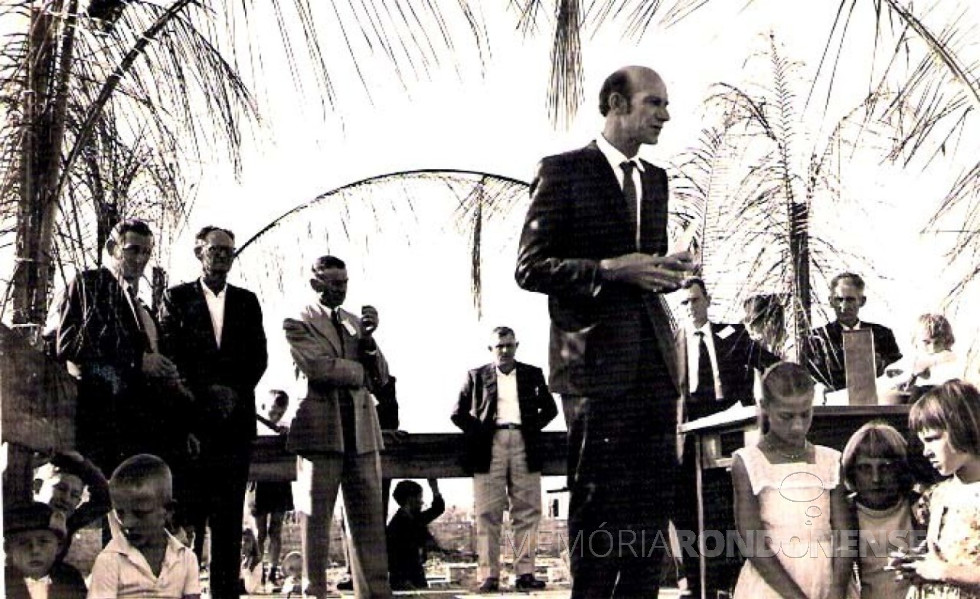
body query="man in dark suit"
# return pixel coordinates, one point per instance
(336, 428)
(595, 241)
(717, 365)
(728, 376)
(127, 391)
(824, 356)
(501, 410)
(213, 332)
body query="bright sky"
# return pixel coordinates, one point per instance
(496, 122)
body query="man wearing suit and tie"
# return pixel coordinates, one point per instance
(213, 332)
(595, 241)
(336, 428)
(501, 410)
(824, 356)
(126, 389)
(717, 365)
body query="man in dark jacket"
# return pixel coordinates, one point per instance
(501, 409)
(213, 332)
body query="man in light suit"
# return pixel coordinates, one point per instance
(717, 364)
(127, 389)
(501, 410)
(213, 331)
(824, 354)
(595, 241)
(336, 428)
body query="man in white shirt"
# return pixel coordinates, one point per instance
(213, 333)
(502, 408)
(824, 353)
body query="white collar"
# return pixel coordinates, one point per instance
(614, 156)
(208, 291)
(513, 371)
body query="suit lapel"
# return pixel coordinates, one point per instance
(490, 389)
(199, 306)
(321, 322)
(680, 345)
(611, 189)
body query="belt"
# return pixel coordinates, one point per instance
(509, 426)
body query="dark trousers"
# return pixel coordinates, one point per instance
(622, 463)
(220, 479)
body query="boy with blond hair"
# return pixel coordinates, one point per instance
(143, 559)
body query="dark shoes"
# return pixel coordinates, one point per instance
(490, 585)
(527, 582)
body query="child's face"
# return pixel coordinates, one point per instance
(877, 481)
(929, 344)
(32, 552)
(293, 566)
(941, 454)
(276, 412)
(142, 515)
(790, 418)
(63, 492)
(413, 504)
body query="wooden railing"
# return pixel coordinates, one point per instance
(411, 455)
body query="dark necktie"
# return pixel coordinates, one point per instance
(138, 315)
(629, 192)
(706, 380)
(338, 326)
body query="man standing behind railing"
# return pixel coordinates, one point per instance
(501, 409)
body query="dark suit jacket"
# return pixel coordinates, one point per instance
(95, 329)
(476, 414)
(187, 338)
(578, 217)
(825, 352)
(738, 358)
(66, 583)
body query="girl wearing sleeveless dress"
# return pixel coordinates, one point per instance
(789, 499)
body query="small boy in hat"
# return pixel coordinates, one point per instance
(32, 536)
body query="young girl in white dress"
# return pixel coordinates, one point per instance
(789, 499)
(947, 421)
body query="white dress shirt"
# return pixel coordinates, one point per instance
(693, 357)
(38, 588)
(216, 308)
(508, 407)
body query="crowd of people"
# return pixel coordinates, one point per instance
(166, 417)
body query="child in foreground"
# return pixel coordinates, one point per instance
(143, 559)
(876, 469)
(947, 421)
(32, 536)
(792, 491)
